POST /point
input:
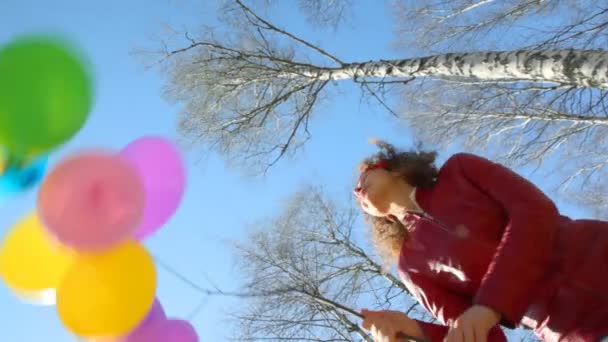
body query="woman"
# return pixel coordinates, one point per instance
(478, 246)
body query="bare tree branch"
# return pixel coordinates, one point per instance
(308, 250)
(250, 92)
(326, 13)
(256, 101)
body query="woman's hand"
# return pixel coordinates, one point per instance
(385, 325)
(473, 325)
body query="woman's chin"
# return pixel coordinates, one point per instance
(375, 211)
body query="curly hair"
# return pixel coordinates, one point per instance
(415, 167)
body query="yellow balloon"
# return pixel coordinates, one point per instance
(108, 293)
(31, 261)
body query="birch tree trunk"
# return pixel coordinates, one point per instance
(581, 68)
(253, 104)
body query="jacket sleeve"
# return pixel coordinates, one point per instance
(511, 281)
(445, 306)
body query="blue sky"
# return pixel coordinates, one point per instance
(219, 202)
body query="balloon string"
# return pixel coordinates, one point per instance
(187, 281)
(199, 288)
(180, 276)
(197, 309)
(216, 292)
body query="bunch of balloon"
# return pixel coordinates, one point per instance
(81, 250)
(45, 98)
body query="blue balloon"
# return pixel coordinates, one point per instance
(15, 179)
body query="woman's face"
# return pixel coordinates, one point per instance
(373, 191)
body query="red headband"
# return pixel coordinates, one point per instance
(380, 164)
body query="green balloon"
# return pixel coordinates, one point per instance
(45, 94)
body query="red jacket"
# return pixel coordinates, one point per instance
(487, 236)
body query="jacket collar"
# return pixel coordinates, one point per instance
(417, 208)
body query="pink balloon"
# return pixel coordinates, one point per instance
(91, 201)
(161, 169)
(152, 333)
(165, 331)
(156, 314)
(180, 331)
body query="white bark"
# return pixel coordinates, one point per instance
(466, 9)
(583, 68)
